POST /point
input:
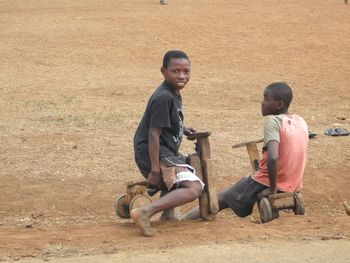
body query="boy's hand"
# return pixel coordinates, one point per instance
(188, 131)
(265, 193)
(154, 178)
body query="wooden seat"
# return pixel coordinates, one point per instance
(270, 206)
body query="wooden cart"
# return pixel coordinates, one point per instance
(136, 192)
(270, 206)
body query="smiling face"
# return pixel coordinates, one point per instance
(270, 105)
(177, 73)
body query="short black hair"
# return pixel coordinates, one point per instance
(171, 54)
(281, 91)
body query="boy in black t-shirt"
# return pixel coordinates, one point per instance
(157, 141)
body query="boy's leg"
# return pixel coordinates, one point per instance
(172, 214)
(194, 213)
(142, 216)
(240, 197)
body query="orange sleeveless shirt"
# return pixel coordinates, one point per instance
(292, 155)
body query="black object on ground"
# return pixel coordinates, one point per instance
(312, 134)
(336, 132)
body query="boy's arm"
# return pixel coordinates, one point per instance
(153, 148)
(272, 164)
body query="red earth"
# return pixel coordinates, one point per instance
(74, 80)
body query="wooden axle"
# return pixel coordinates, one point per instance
(281, 201)
(133, 189)
(134, 197)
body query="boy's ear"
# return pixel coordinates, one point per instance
(281, 104)
(162, 69)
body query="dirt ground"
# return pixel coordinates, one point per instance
(75, 77)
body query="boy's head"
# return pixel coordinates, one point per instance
(277, 98)
(176, 68)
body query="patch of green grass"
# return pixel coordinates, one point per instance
(39, 105)
(58, 250)
(69, 99)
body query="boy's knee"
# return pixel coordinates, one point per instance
(242, 214)
(196, 190)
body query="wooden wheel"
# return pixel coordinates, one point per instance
(266, 214)
(139, 200)
(121, 208)
(299, 208)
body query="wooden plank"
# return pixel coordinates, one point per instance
(282, 203)
(196, 163)
(204, 148)
(204, 208)
(248, 142)
(207, 173)
(203, 198)
(208, 176)
(280, 195)
(198, 135)
(281, 200)
(204, 204)
(131, 183)
(253, 156)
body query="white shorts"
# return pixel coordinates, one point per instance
(189, 175)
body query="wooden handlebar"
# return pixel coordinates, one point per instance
(245, 143)
(198, 135)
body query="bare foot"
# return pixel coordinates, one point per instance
(171, 215)
(143, 221)
(193, 214)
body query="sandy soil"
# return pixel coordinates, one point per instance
(74, 80)
(227, 252)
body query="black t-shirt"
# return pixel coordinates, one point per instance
(164, 110)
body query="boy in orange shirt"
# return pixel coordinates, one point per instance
(284, 156)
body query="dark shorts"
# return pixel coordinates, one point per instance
(242, 196)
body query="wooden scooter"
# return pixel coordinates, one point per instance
(270, 206)
(136, 192)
